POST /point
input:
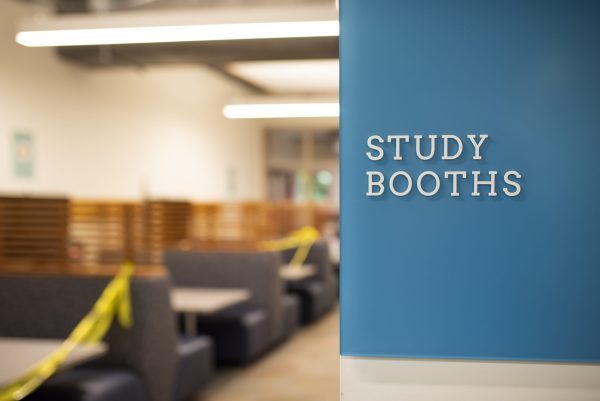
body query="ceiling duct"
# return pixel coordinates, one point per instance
(214, 53)
(81, 6)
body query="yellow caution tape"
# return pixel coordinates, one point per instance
(303, 239)
(115, 300)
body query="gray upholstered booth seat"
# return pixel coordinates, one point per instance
(250, 328)
(87, 384)
(292, 314)
(318, 294)
(313, 298)
(241, 333)
(51, 306)
(195, 367)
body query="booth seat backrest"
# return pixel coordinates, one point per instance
(256, 271)
(317, 256)
(51, 306)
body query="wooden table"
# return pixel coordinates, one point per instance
(297, 273)
(18, 355)
(193, 301)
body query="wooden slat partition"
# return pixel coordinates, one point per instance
(203, 225)
(41, 269)
(227, 226)
(61, 235)
(259, 223)
(173, 218)
(284, 217)
(105, 233)
(229, 222)
(290, 216)
(33, 231)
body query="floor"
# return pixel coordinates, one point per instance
(306, 368)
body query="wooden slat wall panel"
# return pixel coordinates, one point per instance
(212, 222)
(203, 226)
(33, 231)
(226, 226)
(42, 269)
(173, 218)
(86, 233)
(107, 233)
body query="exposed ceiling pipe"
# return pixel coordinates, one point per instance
(80, 6)
(112, 5)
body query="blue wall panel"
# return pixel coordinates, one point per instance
(487, 278)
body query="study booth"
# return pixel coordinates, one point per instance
(196, 309)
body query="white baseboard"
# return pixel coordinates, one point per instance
(372, 379)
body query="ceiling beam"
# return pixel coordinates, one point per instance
(213, 53)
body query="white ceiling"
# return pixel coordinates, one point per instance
(290, 76)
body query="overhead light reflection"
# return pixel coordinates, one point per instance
(281, 110)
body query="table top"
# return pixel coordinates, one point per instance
(296, 273)
(21, 354)
(206, 300)
(334, 251)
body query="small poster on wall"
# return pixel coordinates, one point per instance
(22, 154)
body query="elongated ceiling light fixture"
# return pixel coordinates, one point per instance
(176, 33)
(281, 110)
(171, 26)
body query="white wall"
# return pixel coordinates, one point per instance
(122, 133)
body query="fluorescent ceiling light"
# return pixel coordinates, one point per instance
(281, 110)
(290, 76)
(177, 33)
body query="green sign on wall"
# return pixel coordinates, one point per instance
(22, 148)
